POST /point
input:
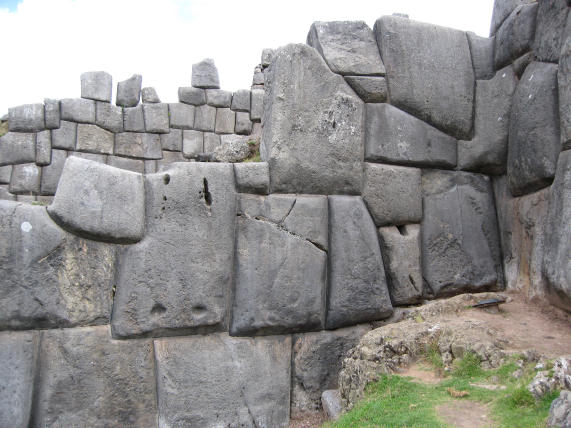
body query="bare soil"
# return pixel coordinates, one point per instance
(464, 414)
(421, 372)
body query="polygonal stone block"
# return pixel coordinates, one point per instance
(17, 147)
(503, 9)
(109, 117)
(550, 31)
(5, 173)
(193, 96)
(515, 35)
(96, 85)
(65, 136)
(564, 81)
(211, 141)
(252, 177)
(77, 110)
(482, 51)
(218, 98)
(225, 121)
(51, 113)
(181, 115)
(156, 118)
(129, 91)
(243, 123)
(257, 105)
(149, 95)
(25, 178)
(135, 165)
(43, 148)
(205, 118)
(26, 118)
(138, 145)
(52, 172)
(371, 89)
(133, 120)
(205, 75)
(192, 143)
(93, 139)
(241, 100)
(172, 141)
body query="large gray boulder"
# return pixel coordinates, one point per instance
(557, 255)
(100, 202)
(503, 9)
(17, 147)
(129, 91)
(460, 244)
(487, 152)
(560, 410)
(186, 256)
(280, 273)
(550, 29)
(87, 379)
(26, 118)
(482, 51)
(348, 47)
(205, 75)
(312, 135)
(221, 381)
(93, 139)
(18, 359)
(77, 110)
(357, 284)
(96, 85)
(394, 136)
(441, 94)
(564, 81)
(515, 36)
(534, 139)
(48, 278)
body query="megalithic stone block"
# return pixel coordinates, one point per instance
(93, 139)
(156, 118)
(515, 36)
(205, 75)
(218, 98)
(138, 145)
(129, 91)
(65, 136)
(252, 177)
(96, 85)
(26, 118)
(241, 100)
(193, 96)
(371, 89)
(17, 147)
(109, 117)
(133, 120)
(482, 51)
(181, 115)
(25, 179)
(52, 114)
(149, 95)
(503, 9)
(77, 110)
(550, 30)
(52, 172)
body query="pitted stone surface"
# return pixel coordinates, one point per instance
(129, 91)
(371, 89)
(138, 145)
(515, 36)
(252, 177)
(232, 148)
(186, 255)
(77, 110)
(205, 75)
(26, 118)
(17, 147)
(96, 85)
(181, 115)
(550, 30)
(211, 142)
(93, 139)
(109, 117)
(430, 74)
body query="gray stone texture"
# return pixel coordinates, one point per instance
(252, 177)
(138, 145)
(65, 136)
(221, 381)
(487, 151)
(149, 95)
(109, 117)
(371, 89)
(25, 178)
(241, 100)
(192, 143)
(26, 198)
(93, 139)
(400, 247)
(460, 243)
(205, 118)
(312, 135)
(267, 57)
(135, 165)
(150, 166)
(17, 147)
(357, 284)
(520, 64)
(172, 141)
(257, 105)
(51, 113)
(331, 402)
(77, 110)
(49, 278)
(43, 148)
(564, 81)
(225, 121)
(99, 202)
(550, 30)
(482, 51)
(218, 98)
(557, 254)
(52, 172)
(96, 85)
(87, 379)
(181, 115)
(560, 410)
(168, 158)
(193, 96)
(133, 120)
(392, 193)
(534, 138)
(392, 135)
(129, 91)
(243, 123)
(348, 47)
(211, 142)
(441, 94)
(205, 75)
(232, 148)
(503, 9)
(5, 194)
(6, 172)
(26, 118)
(94, 157)
(18, 360)
(186, 254)
(515, 36)
(157, 118)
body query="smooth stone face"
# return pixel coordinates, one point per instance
(135, 165)
(503, 9)
(25, 178)
(17, 147)
(43, 148)
(392, 194)
(133, 119)
(93, 139)
(6, 172)
(225, 121)
(441, 94)
(371, 89)
(211, 141)
(49, 278)
(515, 36)
(18, 358)
(357, 285)
(400, 247)
(312, 135)
(241, 100)
(460, 245)
(129, 91)
(243, 123)
(181, 115)
(109, 117)
(564, 81)
(205, 118)
(252, 177)
(488, 150)
(172, 141)
(348, 47)
(257, 105)
(138, 145)
(392, 135)
(185, 287)
(51, 113)
(52, 172)
(205, 75)
(534, 138)
(99, 202)
(218, 98)
(482, 51)
(149, 95)
(168, 158)
(77, 110)
(65, 136)
(157, 118)
(26, 118)
(88, 379)
(6, 195)
(550, 30)
(96, 85)
(216, 381)
(194, 96)
(93, 157)
(192, 143)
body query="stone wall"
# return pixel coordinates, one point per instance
(401, 163)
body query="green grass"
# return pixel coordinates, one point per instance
(254, 152)
(3, 128)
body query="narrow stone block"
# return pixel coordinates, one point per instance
(52, 172)
(211, 141)
(181, 115)
(94, 157)
(243, 123)
(26, 118)
(482, 51)
(43, 148)
(257, 105)
(5, 173)
(51, 113)
(109, 117)
(371, 89)
(17, 147)
(78, 110)
(65, 136)
(192, 143)
(515, 35)
(96, 85)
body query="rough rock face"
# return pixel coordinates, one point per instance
(430, 73)
(16, 147)
(96, 85)
(312, 135)
(550, 30)
(460, 244)
(371, 89)
(223, 381)
(560, 411)
(502, 9)
(564, 82)
(129, 91)
(205, 75)
(252, 177)
(482, 50)
(515, 36)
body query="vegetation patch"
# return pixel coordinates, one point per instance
(3, 128)
(254, 155)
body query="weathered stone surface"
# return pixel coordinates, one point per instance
(51, 113)
(488, 150)
(52, 172)
(149, 95)
(205, 75)
(312, 135)
(316, 362)
(241, 100)
(138, 145)
(243, 123)
(93, 139)
(252, 177)
(18, 359)
(520, 64)
(5, 194)
(534, 139)
(460, 244)
(392, 135)
(77, 110)
(564, 81)
(157, 118)
(441, 94)
(503, 9)
(193, 96)
(392, 194)
(96, 85)
(257, 105)
(26, 118)
(43, 148)
(135, 165)
(211, 142)
(25, 178)
(557, 260)
(181, 115)
(482, 51)
(109, 117)
(185, 286)
(550, 29)
(560, 410)
(348, 47)
(168, 158)
(17, 147)
(267, 56)
(150, 166)
(192, 143)
(49, 278)
(65, 136)
(400, 247)
(218, 98)
(99, 202)
(133, 120)
(211, 381)
(205, 118)
(225, 121)
(129, 91)
(371, 89)
(90, 380)
(6, 172)
(515, 36)
(26, 198)
(331, 402)
(357, 285)
(94, 157)
(172, 141)
(232, 148)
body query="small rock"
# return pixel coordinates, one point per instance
(517, 374)
(233, 148)
(149, 95)
(331, 401)
(541, 385)
(560, 411)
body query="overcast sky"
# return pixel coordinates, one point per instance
(47, 44)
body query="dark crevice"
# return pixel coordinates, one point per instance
(158, 309)
(402, 230)
(167, 178)
(288, 211)
(205, 193)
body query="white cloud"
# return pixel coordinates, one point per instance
(48, 44)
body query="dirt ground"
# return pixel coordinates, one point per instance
(464, 414)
